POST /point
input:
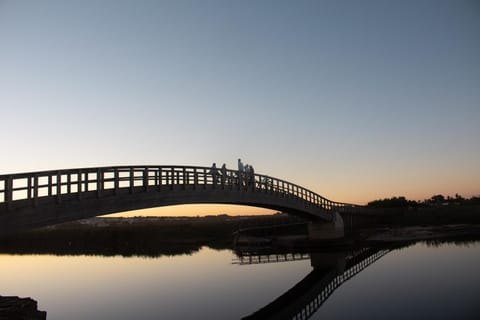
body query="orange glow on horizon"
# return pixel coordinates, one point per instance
(193, 210)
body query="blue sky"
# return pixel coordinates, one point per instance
(356, 100)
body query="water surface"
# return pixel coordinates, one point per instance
(418, 281)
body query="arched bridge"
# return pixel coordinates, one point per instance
(29, 200)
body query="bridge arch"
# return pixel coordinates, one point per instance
(36, 199)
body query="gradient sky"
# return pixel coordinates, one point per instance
(356, 100)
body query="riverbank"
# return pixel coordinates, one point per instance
(157, 236)
(415, 216)
(422, 233)
(142, 236)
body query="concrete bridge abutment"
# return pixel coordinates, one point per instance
(319, 230)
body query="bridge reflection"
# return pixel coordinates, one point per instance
(330, 271)
(246, 258)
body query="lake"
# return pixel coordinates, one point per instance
(418, 281)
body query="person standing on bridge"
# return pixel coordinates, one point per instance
(241, 170)
(251, 176)
(214, 172)
(223, 171)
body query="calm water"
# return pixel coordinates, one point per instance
(417, 282)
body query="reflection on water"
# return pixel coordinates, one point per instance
(425, 280)
(330, 270)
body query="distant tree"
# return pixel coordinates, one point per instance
(437, 198)
(395, 202)
(475, 200)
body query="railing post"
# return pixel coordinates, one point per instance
(35, 190)
(86, 181)
(99, 182)
(214, 179)
(160, 178)
(59, 187)
(9, 192)
(204, 178)
(69, 183)
(49, 185)
(29, 188)
(116, 181)
(185, 178)
(132, 181)
(195, 178)
(145, 180)
(79, 184)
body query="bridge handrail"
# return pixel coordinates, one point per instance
(34, 185)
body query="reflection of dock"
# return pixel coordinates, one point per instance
(330, 272)
(270, 258)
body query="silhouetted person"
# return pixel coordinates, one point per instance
(241, 171)
(251, 176)
(223, 170)
(247, 174)
(214, 172)
(266, 181)
(241, 168)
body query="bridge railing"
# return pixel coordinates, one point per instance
(58, 183)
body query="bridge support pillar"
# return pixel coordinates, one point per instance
(327, 230)
(335, 260)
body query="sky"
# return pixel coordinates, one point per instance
(355, 100)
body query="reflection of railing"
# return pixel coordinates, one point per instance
(307, 296)
(354, 266)
(269, 258)
(62, 184)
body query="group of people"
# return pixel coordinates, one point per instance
(245, 175)
(245, 169)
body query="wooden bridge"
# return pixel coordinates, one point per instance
(36, 199)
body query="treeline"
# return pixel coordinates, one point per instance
(436, 200)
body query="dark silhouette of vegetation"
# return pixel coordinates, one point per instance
(437, 210)
(148, 237)
(436, 200)
(395, 202)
